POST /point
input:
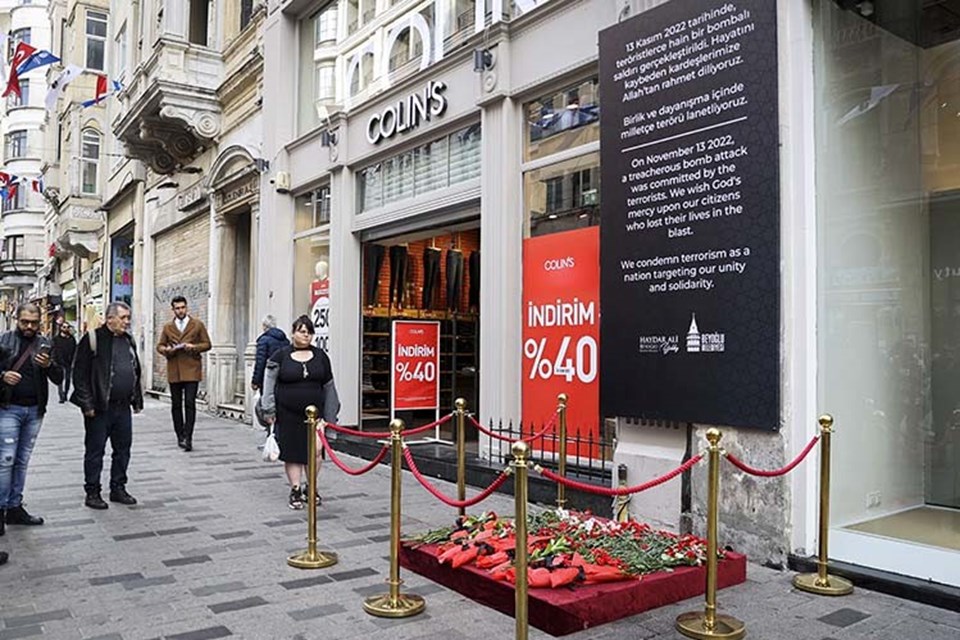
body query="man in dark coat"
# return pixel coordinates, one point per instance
(106, 386)
(272, 339)
(64, 348)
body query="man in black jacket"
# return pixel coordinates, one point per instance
(25, 367)
(106, 385)
(64, 347)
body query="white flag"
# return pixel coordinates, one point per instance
(59, 84)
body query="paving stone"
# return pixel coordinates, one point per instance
(316, 612)
(208, 633)
(21, 632)
(179, 562)
(236, 605)
(148, 582)
(844, 617)
(120, 577)
(212, 589)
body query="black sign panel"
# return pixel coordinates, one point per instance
(690, 233)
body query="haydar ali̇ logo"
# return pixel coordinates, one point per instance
(698, 342)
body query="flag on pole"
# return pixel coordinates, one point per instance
(20, 55)
(59, 85)
(37, 185)
(102, 91)
(39, 59)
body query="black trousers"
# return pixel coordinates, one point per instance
(473, 264)
(399, 258)
(454, 278)
(114, 424)
(65, 385)
(372, 263)
(431, 276)
(183, 396)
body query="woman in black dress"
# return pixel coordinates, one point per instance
(296, 377)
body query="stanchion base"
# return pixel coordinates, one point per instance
(404, 606)
(835, 586)
(307, 560)
(727, 627)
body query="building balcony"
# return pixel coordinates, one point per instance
(19, 272)
(78, 230)
(170, 110)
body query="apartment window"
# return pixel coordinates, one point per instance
(13, 247)
(120, 52)
(15, 144)
(313, 209)
(408, 47)
(325, 24)
(17, 201)
(17, 35)
(199, 20)
(326, 82)
(89, 162)
(96, 40)
(563, 120)
(353, 16)
(246, 13)
(13, 100)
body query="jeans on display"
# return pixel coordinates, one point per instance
(183, 406)
(115, 424)
(454, 278)
(431, 276)
(373, 261)
(473, 264)
(398, 274)
(65, 385)
(19, 427)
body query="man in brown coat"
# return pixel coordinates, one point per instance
(182, 341)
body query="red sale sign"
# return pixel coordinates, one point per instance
(416, 365)
(561, 329)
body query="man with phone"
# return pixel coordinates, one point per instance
(181, 342)
(26, 366)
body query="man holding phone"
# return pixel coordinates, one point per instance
(26, 366)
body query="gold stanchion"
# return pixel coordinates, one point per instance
(461, 406)
(706, 624)
(395, 604)
(821, 582)
(311, 558)
(520, 453)
(562, 446)
(622, 503)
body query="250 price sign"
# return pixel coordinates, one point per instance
(561, 328)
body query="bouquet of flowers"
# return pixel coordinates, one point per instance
(565, 548)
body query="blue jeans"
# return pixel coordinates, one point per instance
(115, 424)
(19, 427)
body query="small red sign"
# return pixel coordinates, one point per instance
(415, 365)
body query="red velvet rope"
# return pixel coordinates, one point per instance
(497, 436)
(776, 472)
(480, 497)
(619, 491)
(382, 435)
(337, 461)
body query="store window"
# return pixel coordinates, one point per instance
(563, 196)
(311, 284)
(23, 100)
(15, 144)
(888, 221)
(441, 163)
(562, 120)
(312, 209)
(89, 162)
(96, 32)
(121, 267)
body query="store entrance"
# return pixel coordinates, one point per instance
(433, 275)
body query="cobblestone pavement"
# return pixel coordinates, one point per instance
(203, 556)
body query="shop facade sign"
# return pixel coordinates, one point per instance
(690, 233)
(407, 114)
(561, 330)
(415, 365)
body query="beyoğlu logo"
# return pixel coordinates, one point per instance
(415, 351)
(707, 342)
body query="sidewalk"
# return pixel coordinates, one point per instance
(204, 556)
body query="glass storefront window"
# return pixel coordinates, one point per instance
(311, 270)
(562, 196)
(441, 163)
(888, 217)
(562, 120)
(312, 209)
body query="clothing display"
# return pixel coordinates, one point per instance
(454, 278)
(373, 262)
(399, 258)
(431, 276)
(473, 264)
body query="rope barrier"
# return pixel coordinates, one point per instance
(337, 461)
(619, 491)
(383, 435)
(739, 464)
(480, 497)
(511, 438)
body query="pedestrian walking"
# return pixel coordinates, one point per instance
(106, 386)
(298, 376)
(181, 342)
(270, 340)
(64, 348)
(27, 365)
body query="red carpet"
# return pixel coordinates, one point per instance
(566, 610)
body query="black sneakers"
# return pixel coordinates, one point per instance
(19, 515)
(3, 519)
(120, 495)
(305, 495)
(4, 557)
(296, 499)
(94, 501)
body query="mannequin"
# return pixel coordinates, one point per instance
(321, 270)
(320, 304)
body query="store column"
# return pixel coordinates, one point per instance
(345, 297)
(250, 349)
(501, 268)
(221, 370)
